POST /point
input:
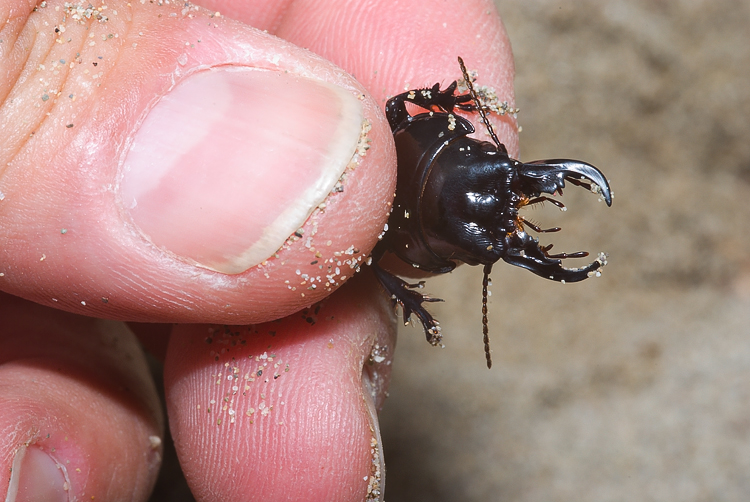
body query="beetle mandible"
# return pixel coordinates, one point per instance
(458, 200)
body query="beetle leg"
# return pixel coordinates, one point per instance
(432, 99)
(544, 198)
(411, 302)
(537, 228)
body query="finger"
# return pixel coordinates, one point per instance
(392, 46)
(162, 163)
(80, 414)
(284, 410)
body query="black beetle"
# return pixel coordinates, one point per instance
(457, 200)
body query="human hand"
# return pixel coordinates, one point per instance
(108, 210)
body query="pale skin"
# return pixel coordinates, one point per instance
(76, 386)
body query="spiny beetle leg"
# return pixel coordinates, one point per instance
(430, 99)
(411, 302)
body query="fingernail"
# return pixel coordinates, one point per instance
(231, 162)
(36, 477)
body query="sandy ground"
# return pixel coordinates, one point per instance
(635, 385)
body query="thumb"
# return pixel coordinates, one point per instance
(161, 163)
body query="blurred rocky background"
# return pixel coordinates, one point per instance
(631, 386)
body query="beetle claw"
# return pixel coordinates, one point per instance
(524, 251)
(431, 326)
(548, 176)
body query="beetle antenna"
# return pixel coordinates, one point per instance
(485, 327)
(480, 108)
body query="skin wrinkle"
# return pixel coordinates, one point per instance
(31, 68)
(19, 140)
(11, 40)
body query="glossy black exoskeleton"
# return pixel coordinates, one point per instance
(458, 200)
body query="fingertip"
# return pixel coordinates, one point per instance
(294, 392)
(79, 401)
